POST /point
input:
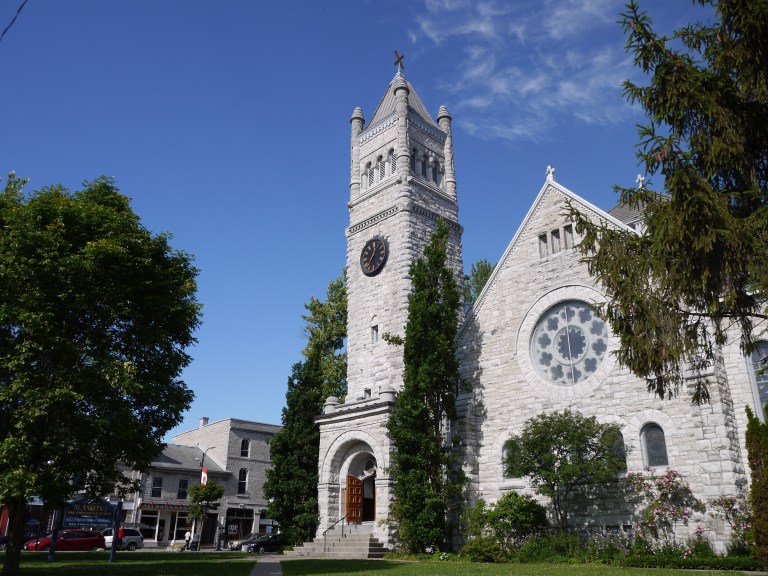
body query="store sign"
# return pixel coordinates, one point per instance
(165, 506)
(84, 514)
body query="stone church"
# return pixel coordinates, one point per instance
(531, 343)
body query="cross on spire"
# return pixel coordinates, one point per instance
(551, 173)
(399, 61)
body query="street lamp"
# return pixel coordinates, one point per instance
(202, 460)
(203, 480)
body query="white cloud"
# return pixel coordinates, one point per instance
(529, 65)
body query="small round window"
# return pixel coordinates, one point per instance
(569, 343)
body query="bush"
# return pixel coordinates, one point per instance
(744, 563)
(737, 513)
(484, 549)
(697, 546)
(606, 548)
(558, 546)
(509, 521)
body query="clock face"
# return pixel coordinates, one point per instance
(373, 257)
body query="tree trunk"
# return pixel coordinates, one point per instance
(17, 508)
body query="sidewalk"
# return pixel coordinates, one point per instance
(267, 565)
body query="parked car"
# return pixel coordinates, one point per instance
(266, 543)
(27, 535)
(132, 539)
(238, 544)
(70, 539)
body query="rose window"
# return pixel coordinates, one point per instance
(569, 343)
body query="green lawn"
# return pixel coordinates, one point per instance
(400, 568)
(239, 564)
(137, 564)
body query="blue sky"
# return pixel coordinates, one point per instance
(227, 123)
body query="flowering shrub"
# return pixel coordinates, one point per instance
(737, 513)
(668, 502)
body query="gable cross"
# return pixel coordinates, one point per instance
(551, 173)
(399, 61)
(640, 179)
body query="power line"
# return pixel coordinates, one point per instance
(14, 19)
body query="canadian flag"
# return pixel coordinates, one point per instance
(204, 476)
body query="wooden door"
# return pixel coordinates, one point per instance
(354, 500)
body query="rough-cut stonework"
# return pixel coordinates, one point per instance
(400, 204)
(704, 443)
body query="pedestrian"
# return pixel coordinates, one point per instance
(120, 536)
(187, 538)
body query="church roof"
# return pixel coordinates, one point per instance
(626, 214)
(387, 105)
(556, 187)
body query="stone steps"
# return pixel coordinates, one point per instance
(356, 543)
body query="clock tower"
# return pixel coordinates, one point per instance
(402, 182)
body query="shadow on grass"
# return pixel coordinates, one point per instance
(137, 564)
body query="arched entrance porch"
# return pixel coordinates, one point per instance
(360, 489)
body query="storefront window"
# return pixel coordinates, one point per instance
(183, 524)
(148, 520)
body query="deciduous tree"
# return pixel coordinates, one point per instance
(565, 454)
(291, 484)
(326, 331)
(96, 313)
(421, 463)
(475, 281)
(204, 498)
(700, 265)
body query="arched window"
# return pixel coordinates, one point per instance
(392, 162)
(620, 450)
(436, 172)
(504, 453)
(413, 160)
(242, 481)
(369, 170)
(245, 448)
(759, 365)
(382, 168)
(424, 166)
(654, 445)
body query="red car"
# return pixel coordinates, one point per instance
(72, 539)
